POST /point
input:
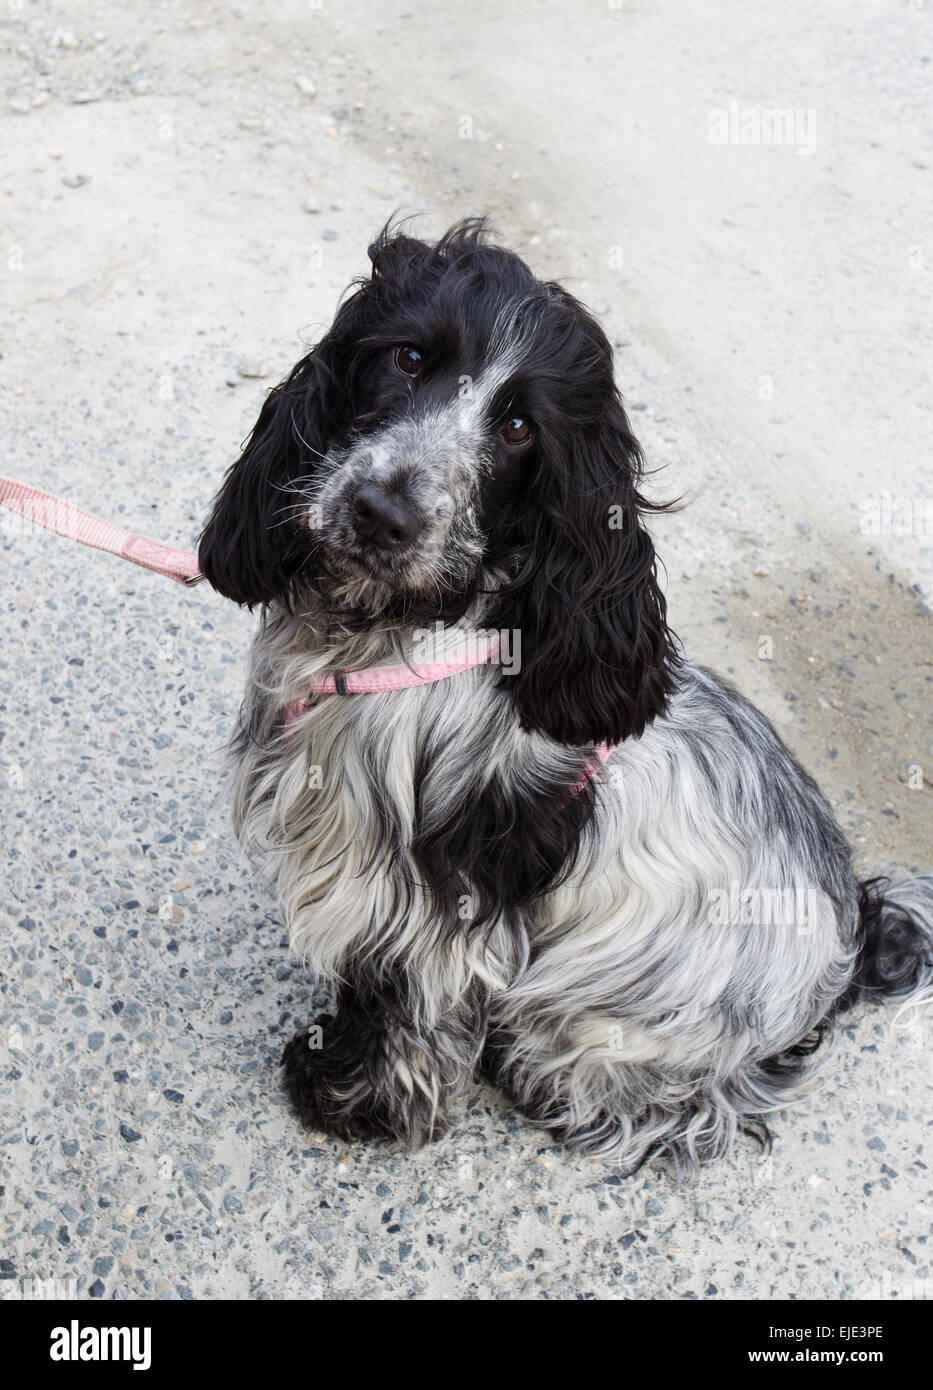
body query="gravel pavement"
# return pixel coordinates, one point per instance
(186, 191)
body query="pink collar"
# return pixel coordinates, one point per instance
(376, 678)
(592, 765)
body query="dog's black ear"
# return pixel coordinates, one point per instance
(248, 551)
(597, 658)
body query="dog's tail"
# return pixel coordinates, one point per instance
(895, 957)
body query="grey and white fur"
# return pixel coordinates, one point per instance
(643, 958)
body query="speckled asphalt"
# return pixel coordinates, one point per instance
(182, 207)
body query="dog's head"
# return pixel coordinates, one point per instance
(459, 421)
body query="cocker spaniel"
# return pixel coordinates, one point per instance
(513, 827)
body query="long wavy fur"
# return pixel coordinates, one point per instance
(643, 959)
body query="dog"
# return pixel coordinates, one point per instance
(593, 873)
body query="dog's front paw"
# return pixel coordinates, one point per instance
(354, 1093)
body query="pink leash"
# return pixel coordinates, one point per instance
(65, 519)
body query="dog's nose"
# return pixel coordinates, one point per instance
(387, 521)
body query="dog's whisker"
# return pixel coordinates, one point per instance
(309, 447)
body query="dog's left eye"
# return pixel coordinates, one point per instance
(409, 360)
(516, 431)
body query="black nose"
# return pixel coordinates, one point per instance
(387, 521)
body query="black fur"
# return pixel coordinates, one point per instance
(502, 846)
(894, 951)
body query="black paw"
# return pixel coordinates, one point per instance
(350, 1091)
(338, 1094)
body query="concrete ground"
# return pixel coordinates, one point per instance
(186, 189)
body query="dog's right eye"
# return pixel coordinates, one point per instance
(409, 360)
